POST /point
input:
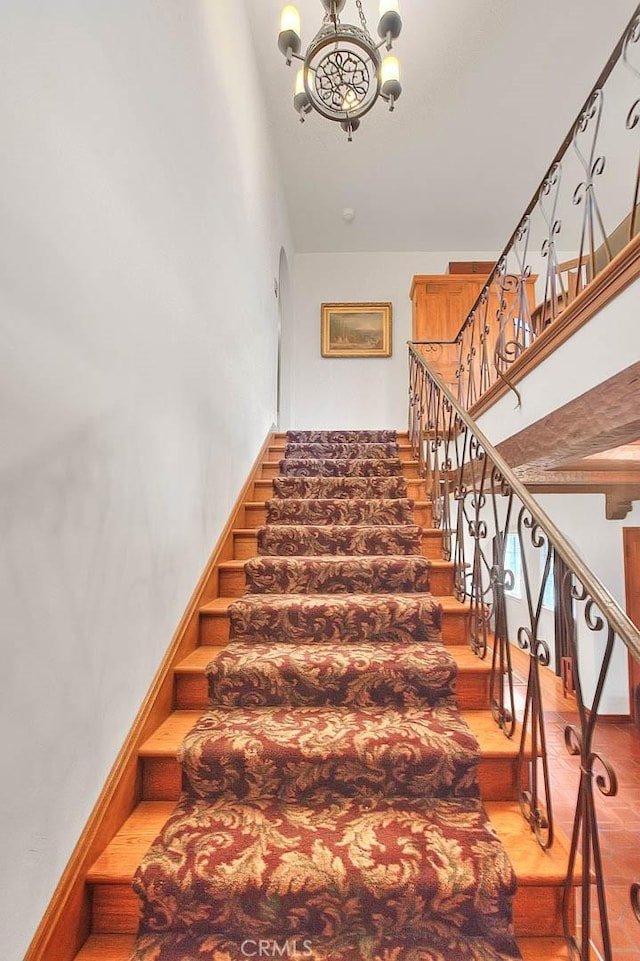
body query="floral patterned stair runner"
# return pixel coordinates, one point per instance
(308, 539)
(392, 573)
(373, 511)
(339, 487)
(340, 467)
(395, 674)
(330, 795)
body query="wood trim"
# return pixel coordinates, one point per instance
(66, 922)
(631, 537)
(611, 281)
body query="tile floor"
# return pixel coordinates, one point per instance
(618, 816)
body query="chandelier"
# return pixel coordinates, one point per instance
(343, 72)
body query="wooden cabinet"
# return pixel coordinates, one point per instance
(440, 305)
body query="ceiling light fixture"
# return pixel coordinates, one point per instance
(343, 72)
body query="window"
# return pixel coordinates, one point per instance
(513, 563)
(548, 595)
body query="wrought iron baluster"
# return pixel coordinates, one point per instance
(633, 117)
(502, 707)
(534, 787)
(585, 838)
(594, 166)
(552, 301)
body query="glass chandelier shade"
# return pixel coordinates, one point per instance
(343, 72)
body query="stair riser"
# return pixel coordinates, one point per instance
(162, 779)
(233, 583)
(115, 909)
(263, 489)
(256, 516)
(275, 454)
(270, 470)
(245, 545)
(536, 909)
(472, 692)
(214, 628)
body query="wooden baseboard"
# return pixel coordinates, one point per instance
(611, 718)
(66, 923)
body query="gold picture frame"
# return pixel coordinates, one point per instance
(356, 330)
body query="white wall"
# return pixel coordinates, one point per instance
(354, 393)
(142, 222)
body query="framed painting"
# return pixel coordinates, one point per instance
(356, 330)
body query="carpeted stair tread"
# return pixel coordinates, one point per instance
(335, 617)
(336, 574)
(315, 754)
(341, 467)
(405, 868)
(339, 487)
(342, 436)
(308, 539)
(448, 947)
(358, 675)
(331, 511)
(362, 451)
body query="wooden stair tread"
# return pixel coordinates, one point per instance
(117, 947)
(426, 531)
(468, 662)
(197, 660)
(400, 434)
(262, 503)
(533, 866)
(531, 863)
(123, 854)
(220, 605)
(168, 736)
(106, 947)
(532, 949)
(166, 739)
(238, 565)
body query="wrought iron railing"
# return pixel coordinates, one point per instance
(585, 212)
(491, 526)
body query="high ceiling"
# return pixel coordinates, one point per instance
(490, 89)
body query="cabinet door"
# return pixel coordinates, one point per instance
(441, 304)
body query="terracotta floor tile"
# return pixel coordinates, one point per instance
(618, 816)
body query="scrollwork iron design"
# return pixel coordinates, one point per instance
(342, 80)
(485, 515)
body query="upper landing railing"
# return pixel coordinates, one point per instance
(576, 244)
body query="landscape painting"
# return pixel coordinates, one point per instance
(356, 330)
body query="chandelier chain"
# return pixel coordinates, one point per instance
(363, 19)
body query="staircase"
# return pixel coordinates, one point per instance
(330, 775)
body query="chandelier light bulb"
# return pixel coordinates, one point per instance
(388, 6)
(289, 41)
(300, 82)
(290, 19)
(390, 87)
(390, 70)
(350, 101)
